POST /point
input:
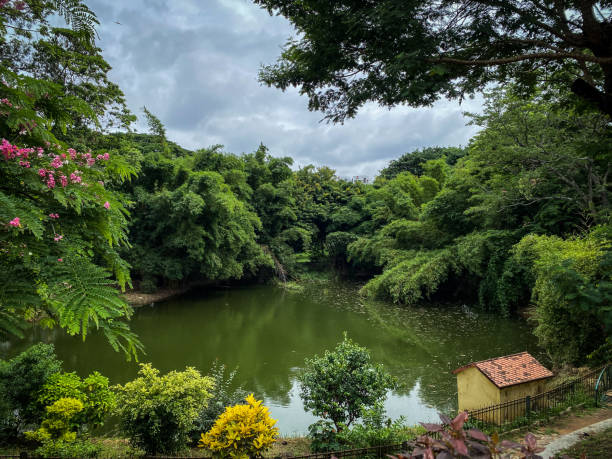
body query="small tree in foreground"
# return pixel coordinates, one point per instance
(339, 384)
(242, 431)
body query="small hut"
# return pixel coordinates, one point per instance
(499, 380)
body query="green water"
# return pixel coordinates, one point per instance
(268, 332)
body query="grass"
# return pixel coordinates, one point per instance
(597, 446)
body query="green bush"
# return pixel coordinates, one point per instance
(222, 396)
(158, 412)
(78, 448)
(375, 430)
(323, 437)
(21, 380)
(341, 383)
(93, 392)
(572, 293)
(58, 423)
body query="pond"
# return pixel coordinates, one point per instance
(267, 332)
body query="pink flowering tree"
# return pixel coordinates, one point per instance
(60, 225)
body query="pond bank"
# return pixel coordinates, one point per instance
(136, 298)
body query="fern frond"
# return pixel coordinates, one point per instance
(79, 16)
(121, 338)
(84, 295)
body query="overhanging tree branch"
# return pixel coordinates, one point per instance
(522, 57)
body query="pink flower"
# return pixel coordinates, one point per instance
(91, 161)
(15, 222)
(9, 151)
(57, 162)
(6, 101)
(25, 164)
(72, 152)
(58, 237)
(51, 182)
(106, 156)
(107, 205)
(42, 172)
(63, 180)
(60, 259)
(74, 178)
(54, 216)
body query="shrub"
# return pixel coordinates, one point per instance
(375, 430)
(77, 448)
(93, 392)
(158, 412)
(339, 384)
(222, 396)
(242, 431)
(59, 422)
(323, 437)
(21, 379)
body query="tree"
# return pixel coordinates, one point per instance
(572, 292)
(350, 52)
(60, 225)
(413, 162)
(32, 44)
(340, 383)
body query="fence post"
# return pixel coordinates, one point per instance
(527, 406)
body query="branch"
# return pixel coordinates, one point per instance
(522, 57)
(583, 89)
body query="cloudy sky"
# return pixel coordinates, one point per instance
(194, 64)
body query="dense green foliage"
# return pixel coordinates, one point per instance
(50, 409)
(158, 412)
(22, 378)
(349, 52)
(341, 383)
(92, 392)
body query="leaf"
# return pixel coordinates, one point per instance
(457, 423)
(478, 435)
(432, 427)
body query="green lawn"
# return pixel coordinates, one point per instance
(596, 446)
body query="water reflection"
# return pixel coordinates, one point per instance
(268, 333)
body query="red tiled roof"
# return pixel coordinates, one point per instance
(510, 369)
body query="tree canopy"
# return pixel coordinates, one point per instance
(350, 52)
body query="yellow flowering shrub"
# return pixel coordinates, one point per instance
(242, 431)
(57, 422)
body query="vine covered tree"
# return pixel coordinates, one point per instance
(350, 52)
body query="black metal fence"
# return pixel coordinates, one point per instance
(593, 384)
(373, 452)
